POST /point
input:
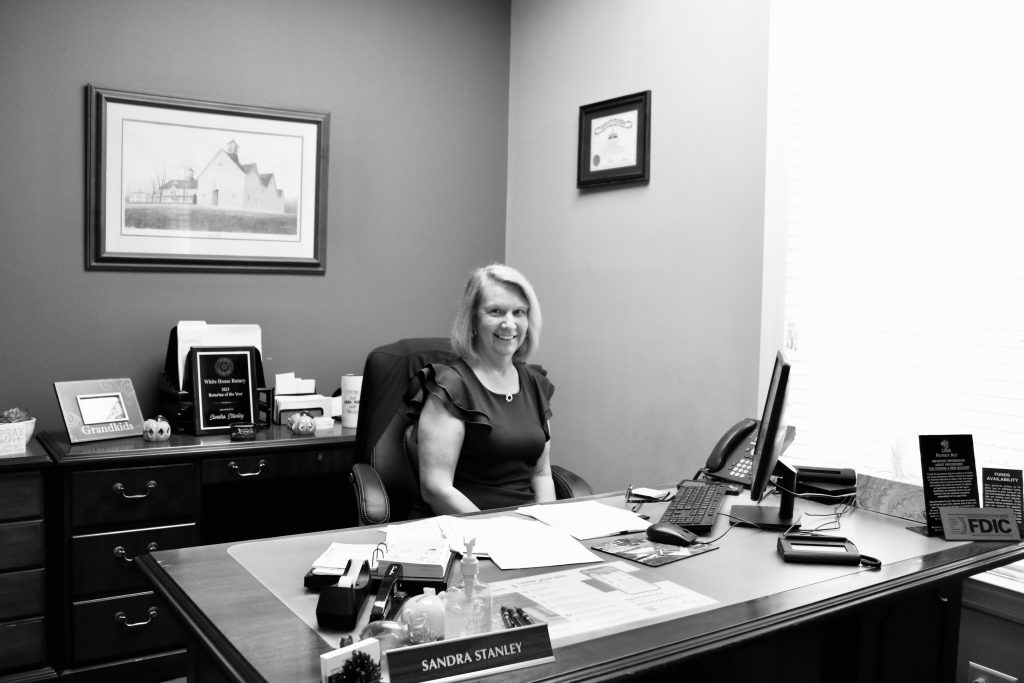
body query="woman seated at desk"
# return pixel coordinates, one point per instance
(483, 432)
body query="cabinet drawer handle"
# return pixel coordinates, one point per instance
(119, 488)
(120, 552)
(122, 618)
(259, 470)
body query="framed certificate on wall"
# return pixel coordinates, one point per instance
(224, 387)
(615, 141)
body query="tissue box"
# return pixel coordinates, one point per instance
(314, 404)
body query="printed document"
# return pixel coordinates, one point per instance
(588, 602)
(510, 542)
(587, 518)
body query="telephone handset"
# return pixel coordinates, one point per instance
(732, 458)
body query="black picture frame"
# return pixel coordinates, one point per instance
(181, 184)
(615, 141)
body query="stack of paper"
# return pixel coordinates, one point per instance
(510, 542)
(198, 333)
(420, 557)
(587, 518)
(287, 383)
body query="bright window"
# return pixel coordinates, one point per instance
(894, 272)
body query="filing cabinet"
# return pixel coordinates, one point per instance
(111, 515)
(121, 498)
(23, 566)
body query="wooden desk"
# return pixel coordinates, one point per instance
(116, 499)
(772, 621)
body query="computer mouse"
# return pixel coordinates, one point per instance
(663, 532)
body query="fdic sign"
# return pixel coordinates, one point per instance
(979, 524)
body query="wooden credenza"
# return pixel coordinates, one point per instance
(23, 567)
(121, 498)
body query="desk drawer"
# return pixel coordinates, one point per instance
(263, 467)
(104, 563)
(21, 545)
(21, 594)
(21, 495)
(121, 627)
(133, 494)
(22, 644)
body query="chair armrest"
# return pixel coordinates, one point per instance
(371, 497)
(569, 484)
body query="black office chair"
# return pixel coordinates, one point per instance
(385, 477)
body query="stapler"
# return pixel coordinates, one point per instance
(389, 595)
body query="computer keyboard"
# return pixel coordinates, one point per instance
(695, 505)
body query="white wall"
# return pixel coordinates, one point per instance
(651, 293)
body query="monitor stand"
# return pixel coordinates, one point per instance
(767, 517)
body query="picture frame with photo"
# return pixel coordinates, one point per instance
(99, 409)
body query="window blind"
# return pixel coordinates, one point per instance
(895, 185)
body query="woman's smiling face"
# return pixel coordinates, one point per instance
(502, 321)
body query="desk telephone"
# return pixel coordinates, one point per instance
(732, 458)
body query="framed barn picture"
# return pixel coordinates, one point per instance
(189, 184)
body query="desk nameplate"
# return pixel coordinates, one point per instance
(471, 657)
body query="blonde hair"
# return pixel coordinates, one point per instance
(464, 327)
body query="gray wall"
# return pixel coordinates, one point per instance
(439, 108)
(651, 293)
(418, 96)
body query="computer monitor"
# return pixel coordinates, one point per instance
(768, 447)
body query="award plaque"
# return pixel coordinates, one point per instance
(223, 386)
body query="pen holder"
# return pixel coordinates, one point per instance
(339, 604)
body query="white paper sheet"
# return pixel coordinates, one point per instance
(198, 333)
(510, 542)
(337, 556)
(284, 383)
(587, 602)
(587, 518)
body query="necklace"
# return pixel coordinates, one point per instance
(495, 375)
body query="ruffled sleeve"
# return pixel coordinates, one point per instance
(449, 384)
(543, 390)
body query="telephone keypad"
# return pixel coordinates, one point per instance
(742, 467)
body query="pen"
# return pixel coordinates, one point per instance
(523, 616)
(506, 617)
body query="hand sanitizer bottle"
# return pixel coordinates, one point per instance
(467, 605)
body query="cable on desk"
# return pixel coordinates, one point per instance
(719, 536)
(846, 502)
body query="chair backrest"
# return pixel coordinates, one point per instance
(381, 426)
